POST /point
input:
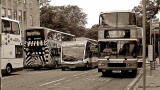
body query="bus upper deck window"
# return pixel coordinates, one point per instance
(6, 26)
(15, 28)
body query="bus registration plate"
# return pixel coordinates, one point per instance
(116, 71)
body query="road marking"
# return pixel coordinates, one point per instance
(52, 82)
(135, 81)
(76, 77)
(80, 74)
(6, 77)
(57, 84)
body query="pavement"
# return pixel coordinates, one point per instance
(152, 79)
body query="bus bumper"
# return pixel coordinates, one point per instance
(75, 65)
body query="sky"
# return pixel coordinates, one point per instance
(94, 7)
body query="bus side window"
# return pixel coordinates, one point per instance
(15, 28)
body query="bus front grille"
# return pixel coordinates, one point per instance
(116, 64)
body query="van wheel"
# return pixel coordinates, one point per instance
(8, 69)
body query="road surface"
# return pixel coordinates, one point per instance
(64, 80)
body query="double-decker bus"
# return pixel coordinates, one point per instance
(11, 46)
(120, 43)
(80, 53)
(43, 47)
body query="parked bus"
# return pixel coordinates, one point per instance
(79, 53)
(43, 47)
(11, 46)
(120, 43)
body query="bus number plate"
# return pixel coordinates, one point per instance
(116, 71)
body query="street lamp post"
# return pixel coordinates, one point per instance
(0, 51)
(144, 44)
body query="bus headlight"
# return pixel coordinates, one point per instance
(43, 48)
(131, 64)
(27, 49)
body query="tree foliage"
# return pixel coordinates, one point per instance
(70, 19)
(92, 33)
(152, 8)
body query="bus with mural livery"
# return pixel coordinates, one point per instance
(42, 47)
(11, 46)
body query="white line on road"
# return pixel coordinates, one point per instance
(52, 82)
(80, 74)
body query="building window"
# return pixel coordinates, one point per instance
(20, 15)
(9, 13)
(3, 12)
(31, 20)
(24, 16)
(15, 14)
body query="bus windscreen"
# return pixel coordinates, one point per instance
(34, 35)
(119, 48)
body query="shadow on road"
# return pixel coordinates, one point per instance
(80, 69)
(13, 74)
(119, 75)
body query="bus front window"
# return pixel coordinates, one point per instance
(35, 35)
(119, 49)
(73, 53)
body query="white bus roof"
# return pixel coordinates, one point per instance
(84, 38)
(51, 30)
(124, 39)
(125, 11)
(73, 43)
(8, 19)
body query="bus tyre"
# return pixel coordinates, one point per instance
(56, 65)
(134, 73)
(63, 68)
(8, 69)
(99, 70)
(87, 66)
(106, 73)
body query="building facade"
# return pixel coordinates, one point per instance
(25, 11)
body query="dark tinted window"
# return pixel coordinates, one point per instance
(35, 34)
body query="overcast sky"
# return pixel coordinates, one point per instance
(94, 7)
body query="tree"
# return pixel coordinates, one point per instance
(93, 32)
(70, 19)
(152, 8)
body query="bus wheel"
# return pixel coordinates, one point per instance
(134, 73)
(87, 66)
(56, 65)
(8, 69)
(107, 73)
(63, 68)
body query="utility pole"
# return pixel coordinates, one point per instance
(0, 49)
(144, 44)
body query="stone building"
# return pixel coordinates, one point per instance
(25, 11)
